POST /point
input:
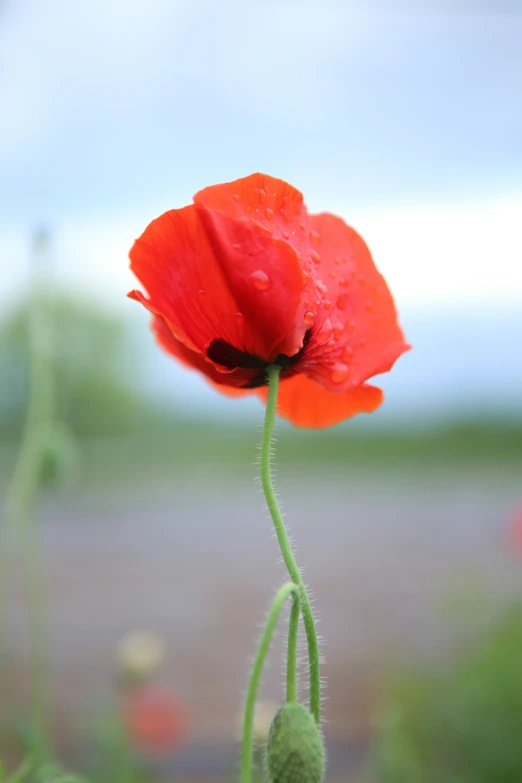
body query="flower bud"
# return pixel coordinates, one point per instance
(295, 750)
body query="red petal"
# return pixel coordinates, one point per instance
(258, 229)
(174, 261)
(363, 337)
(306, 404)
(227, 383)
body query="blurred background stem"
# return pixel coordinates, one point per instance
(20, 504)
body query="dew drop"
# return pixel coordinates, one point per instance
(239, 316)
(285, 199)
(341, 304)
(368, 305)
(262, 195)
(338, 261)
(260, 280)
(339, 372)
(315, 237)
(321, 286)
(332, 275)
(247, 208)
(308, 318)
(314, 255)
(338, 332)
(269, 213)
(302, 226)
(329, 347)
(201, 292)
(351, 326)
(235, 196)
(327, 304)
(361, 278)
(344, 282)
(347, 353)
(286, 235)
(306, 277)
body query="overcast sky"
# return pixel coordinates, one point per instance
(407, 123)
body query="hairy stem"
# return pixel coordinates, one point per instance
(291, 666)
(284, 542)
(250, 703)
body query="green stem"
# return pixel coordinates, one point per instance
(291, 666)
(284, 542)
(20, 501)
(255, 677)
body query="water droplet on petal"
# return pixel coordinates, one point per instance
(321, 286)
(306, 277)
(368, 305)
(338, 332)
(308, 318)
(338, 261)
(269, 213)
(247, 207)
(285, 199)
(314, 255)
(329, 347)
(260, 280)
(286, 235)
(315, 237)
(236, 196)
(262, 196)
(327, 304)
(239, 316)
(332, 275)
(361, 278)
(351, 326)
(347, 353)
(339, 372)
(344, 282)
(201, 291)
(341, 304)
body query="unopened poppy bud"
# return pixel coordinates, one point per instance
(295, 750)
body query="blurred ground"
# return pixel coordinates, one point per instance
(387, 552)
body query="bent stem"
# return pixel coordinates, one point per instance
(284, 543)
(255, 677)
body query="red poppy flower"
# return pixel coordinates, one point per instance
(155, 721)
(244, 277)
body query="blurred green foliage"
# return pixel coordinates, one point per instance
(88, 350)
(462, 725)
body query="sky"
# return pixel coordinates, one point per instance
(407, 122)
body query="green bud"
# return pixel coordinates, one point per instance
(295, 750)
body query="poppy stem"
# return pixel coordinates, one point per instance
(291, 666)
(284, 543)
(257, 669)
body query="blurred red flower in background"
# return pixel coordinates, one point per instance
(155, 721)
(515, 531)
(245, 277)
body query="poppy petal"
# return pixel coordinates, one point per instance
(258, 229)
(306, 404)
(173, 259)
(363, 334)
(227, 383)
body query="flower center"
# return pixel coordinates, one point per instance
(221, 352)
